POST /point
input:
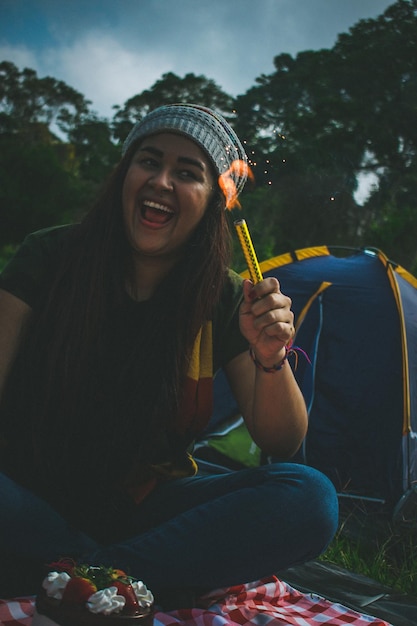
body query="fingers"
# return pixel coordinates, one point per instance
(269, 309)
(260, 290)
(273, 326)
(265, 297)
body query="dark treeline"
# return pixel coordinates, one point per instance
(317, 125)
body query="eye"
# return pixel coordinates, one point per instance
(148, 161)
(145, 159)
(188, 174)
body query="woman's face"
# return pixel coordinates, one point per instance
(165, 194)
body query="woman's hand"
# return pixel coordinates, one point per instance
(266, 320)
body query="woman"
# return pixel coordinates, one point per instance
(110, 334)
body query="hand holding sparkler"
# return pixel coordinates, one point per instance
(277, 336)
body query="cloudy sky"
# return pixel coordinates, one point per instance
(110, 50)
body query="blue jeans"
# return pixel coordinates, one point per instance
(202, 532)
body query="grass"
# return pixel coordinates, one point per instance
(375, 548)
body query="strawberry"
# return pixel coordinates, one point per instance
(63, 565)
(117, 573)
(78, 590)
(126, 590)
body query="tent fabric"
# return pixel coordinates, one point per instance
(361, 389)
(356, 317)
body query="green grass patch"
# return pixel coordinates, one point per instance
(385, 554)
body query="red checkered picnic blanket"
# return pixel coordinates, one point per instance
(266, 602)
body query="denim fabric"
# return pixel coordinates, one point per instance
(200, 532)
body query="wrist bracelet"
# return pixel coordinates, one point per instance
(289, 349)
(269, 370)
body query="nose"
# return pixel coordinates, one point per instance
(161, 180)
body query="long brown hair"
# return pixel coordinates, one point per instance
(73, 324)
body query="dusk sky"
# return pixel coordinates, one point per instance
(110, 50)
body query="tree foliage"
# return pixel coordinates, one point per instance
(170, 89)
(26, 99)
(326, 117)
(314, 127)
(36, 190)
(39, 185)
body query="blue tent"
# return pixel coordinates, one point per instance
(356, 317)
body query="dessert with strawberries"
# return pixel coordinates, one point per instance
(84, 595)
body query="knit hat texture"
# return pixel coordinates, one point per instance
(204, 126)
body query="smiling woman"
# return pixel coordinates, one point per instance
(111, 332)
(165, 194)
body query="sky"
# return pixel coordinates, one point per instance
(111, 50)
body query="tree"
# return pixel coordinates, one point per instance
(26, 100)
(95, 150)
(327, 116)
(170, 89)
(39, 173)
(36, 189)
(385, 92)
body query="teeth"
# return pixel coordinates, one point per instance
(159, 207)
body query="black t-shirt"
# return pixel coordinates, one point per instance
(28, 276)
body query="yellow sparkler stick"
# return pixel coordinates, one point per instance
(248, 250)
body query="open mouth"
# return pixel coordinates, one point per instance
(156, 213)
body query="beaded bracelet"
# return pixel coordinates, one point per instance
(289, 349)
(274, 368)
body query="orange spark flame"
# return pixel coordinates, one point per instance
(227, 184)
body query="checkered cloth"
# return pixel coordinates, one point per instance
(16, 611)
(269, 601)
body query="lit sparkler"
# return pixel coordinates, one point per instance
(228, 187)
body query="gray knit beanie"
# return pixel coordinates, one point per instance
(207, 128)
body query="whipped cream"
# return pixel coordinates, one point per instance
(106, 601)
(143, 595)
(55, 583)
